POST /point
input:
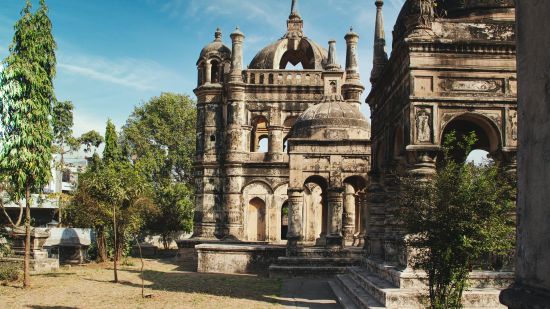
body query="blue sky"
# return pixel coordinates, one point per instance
(115, 54)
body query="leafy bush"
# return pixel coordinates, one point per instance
(10, 271)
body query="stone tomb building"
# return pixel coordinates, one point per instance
(308, 184)
(452, 68)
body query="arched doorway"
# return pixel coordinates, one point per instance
(256, 220)
(487, 136)
(284, 220)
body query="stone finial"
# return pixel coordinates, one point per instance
(332, 62)
(380, 57)
(218, 35)
(352, 67)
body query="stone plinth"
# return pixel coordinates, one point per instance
(38, 238)
(237, 258)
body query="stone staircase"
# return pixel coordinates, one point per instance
(365, 288)
(315, 262)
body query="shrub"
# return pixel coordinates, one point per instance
(10, 271)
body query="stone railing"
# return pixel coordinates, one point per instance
(283, 77)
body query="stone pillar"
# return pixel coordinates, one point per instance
(208, 76)
(335, 212)
(349, 214)
(363, 219)
(374, 217)
(233, 202)
(275, 147)
(531, 288)
(295, 210)
(237, 38)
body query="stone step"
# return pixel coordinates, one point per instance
(393, 297)
(282, 271)
(341, 296)
(318, 261)
(358, 295)
(351, 252)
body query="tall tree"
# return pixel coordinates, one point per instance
(455, 219)
(113, 151)
(91, 140)
(160, 137)
(26, 98)
(62, 122)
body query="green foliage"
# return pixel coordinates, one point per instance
(91, 140)
(111, 186)
(112, 151)
(455, 219)
(160, 137)
(62, 122)
(26, 98)
(161, 134)
(10, 271)
(5, 246)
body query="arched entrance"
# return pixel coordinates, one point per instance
(284, 220)
(256, 220)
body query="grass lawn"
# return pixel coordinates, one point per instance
(169, 285)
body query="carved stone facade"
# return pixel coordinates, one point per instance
(306, 181)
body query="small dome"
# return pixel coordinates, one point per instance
(216, 47)
(277, 55)
(332, 118)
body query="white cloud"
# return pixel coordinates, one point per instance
(139, 74)
(84, 122)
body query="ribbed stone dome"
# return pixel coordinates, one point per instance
(332, 118)
(216, 47)
(270, 57)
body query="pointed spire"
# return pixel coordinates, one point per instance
(218, 35)
(332, 62)
(294, 9)
(380, 57)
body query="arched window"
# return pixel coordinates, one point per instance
(333, 88)
(259, 138)
(215, 72)
(284, 220)
(256, 220)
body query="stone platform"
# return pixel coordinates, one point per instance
(237, 258)
(42, 265)
(315, 262)
(379, 286)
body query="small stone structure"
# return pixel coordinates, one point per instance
(40, 262)
(69, 245)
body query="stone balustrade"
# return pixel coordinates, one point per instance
(287, 78)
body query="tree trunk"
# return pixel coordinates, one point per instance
(101, 245)
(26, 264)
(115, 245)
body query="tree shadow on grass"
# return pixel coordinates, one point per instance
(50, 307)
(235, 286)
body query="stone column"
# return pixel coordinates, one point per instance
(233, 202)
(335, 211)
(295, 210)
(352, 88)
(208, 76)
(375, 217)
(237, 38)
(363, 219)
(349, 214)
(275, 147)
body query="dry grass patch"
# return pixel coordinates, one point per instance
(91, 286)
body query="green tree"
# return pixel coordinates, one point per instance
(455, 219)
(112, 195)
(26, 98)
(160, 137)
(64, 142)
(91, 140)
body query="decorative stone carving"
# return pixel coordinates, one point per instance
(423, 126)
(513, 124)
(472, 85)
